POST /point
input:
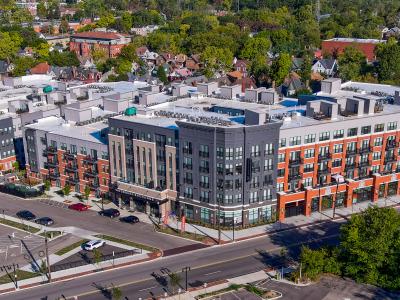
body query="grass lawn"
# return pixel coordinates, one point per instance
(50, 234)
(188, 235)
(70, 247)
(19, 225)
(126, 242)
(21, 275)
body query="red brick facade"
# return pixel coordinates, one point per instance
(336, 47)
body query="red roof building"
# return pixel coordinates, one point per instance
(84, 42)
(41, 68)
(336, 46)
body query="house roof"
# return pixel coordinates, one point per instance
(328, 63)
(99, 35)
(297, 62)
(241, 62)
(235, 74)
(41, 68)
(141, 50)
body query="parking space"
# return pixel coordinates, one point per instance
(236, 295)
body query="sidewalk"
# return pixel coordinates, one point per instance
(297, 221)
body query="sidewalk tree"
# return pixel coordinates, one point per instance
(116, 293)
(67, 190)
(174, 280)
(87, 192)
(15, 165)
(97, 256)
(47, 185)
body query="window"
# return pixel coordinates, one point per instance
(255, 151)
(238, 168)
(204, 166)
(188, 192)
(307, 182)
(228, 199)
(220, 152)
(63, 146)
(253, 197)
(229, 169)
(238, 198)
(282, 142)
(365, 129)
(308, 153)
(392, 126)
(309, 138)
(187, 147)
(203, 151)
(374, 169)
(204, 182)
(379, 127)
(324, 136)
(338, 148)
(83, 151)
(229, 153)
(295, 140)
(308, 168)
(220, 168)
(281, 172)
(268, 164)
(337, 163)
(267, 195)
(378, 141)
(73, 149)
(187, 163)
(204, 215)
(281, 157)
(352, 132)
(376, 155)
(338, 134)
(269, 149)
(279, 187)
(238, 152)
(352, 146)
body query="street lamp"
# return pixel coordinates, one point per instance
(339, 179)
(186, 269)
(234, 221)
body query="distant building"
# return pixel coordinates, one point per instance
(326, 66)
(336, 46)
(144, 31)
(84, 42)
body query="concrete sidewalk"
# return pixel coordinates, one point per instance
(297, 221)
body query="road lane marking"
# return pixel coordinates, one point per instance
(149, 288)
(211, 273)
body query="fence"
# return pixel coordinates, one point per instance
(20, 190)
(88, 260)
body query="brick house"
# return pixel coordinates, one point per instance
(84, 42)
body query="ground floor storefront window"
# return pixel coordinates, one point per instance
(392, 188)
(327, 202)
(340, 198)
(205, 215)
(362, 194)
(294, 209)
(268, 213)
(315, 204)
(227, 218)
(381, 193)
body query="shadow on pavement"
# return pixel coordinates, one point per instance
(103, 290)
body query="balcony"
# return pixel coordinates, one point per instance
(187, 166)
(205, 185)
(323, 157)
(350, 166)
(204, 154)
(188, 180)
(89, 160)
(295, 161)
(93, 185)
(292, 177)
(204, 170)
(71, 168)
(187, 151)
(91, 173)
(366, 163)
(50, 150)
(69, 156)
(254, 185)
(151, 194)
(390, 159)
(268, 182)
(351, 152)
(386, 171)
(72, 180)
(325, 171)
(53, 176)
(391, 145)
(365, 150)
(51, 164)
(364, 175)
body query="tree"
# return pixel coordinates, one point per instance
(99, 55)
(255, 47)
(351, 63)
(162, 75)
(10, 44)
(41, 10)
(388, 56)
(280, 68)
(63, 59)
(15, 165)
(42, 51)
(370, 243)
(129, 52)
(174, 280)
(87, 192)
(64, 26)
(66, 190)
(305, 70)
(123, 66)
(116, 293)
(22, 65)
(97, 256)
(216, 59)
(126, 21)
(47, 185)
(106, 21)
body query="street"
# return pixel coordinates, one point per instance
(90, 220)
(208, 264)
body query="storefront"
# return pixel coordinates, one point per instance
(228, 218)
(362, 194)
(327, 202)
(315, 204)
(294, 209)
(381, 192)
(392, 188)
(340, 199)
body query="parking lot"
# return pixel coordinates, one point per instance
(236, 295)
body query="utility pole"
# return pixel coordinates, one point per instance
(47, 257)
(186, 269)
(219, 223)
(15, 275)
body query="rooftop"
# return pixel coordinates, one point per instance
(354, 40)
(99, 35)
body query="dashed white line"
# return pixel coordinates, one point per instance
(149, 288)
(212, 273)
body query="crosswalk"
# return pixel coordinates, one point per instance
(54, 203)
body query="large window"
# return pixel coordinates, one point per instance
(309, 138)
(379, 127)
(365, 129)
(282, 142)
(392, 126)
(352, 132)
(338, 134)
(324, 136)
(295, 140)
(308, 153)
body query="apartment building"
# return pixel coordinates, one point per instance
(68, 154)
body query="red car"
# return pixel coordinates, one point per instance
(78, 207)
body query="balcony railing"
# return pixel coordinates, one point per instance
(295, 161)
(89, 160)
(93, 185)
(204, 154)
(364, 163)
(351, 152)
(50, 164)
(152, 194)
(365, 150)
(72, 180)
(71, 168)
(325, 156)
(91, 173)
(205, 185)
(324, 171)
(294, 177)
(391, 145)
(390, 159)
(350, 166)
(69, 156)
(53, 176)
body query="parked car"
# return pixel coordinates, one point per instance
(93, 244)
(78, 207)
(45, 221)
(110, 212)
(26, 215)
(129, 219)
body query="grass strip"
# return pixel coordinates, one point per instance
(21, 275)
(71, 247)
(50, 234)
(232, 287)
(19, 225)
(126, 242)
(187, 235)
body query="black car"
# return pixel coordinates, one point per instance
(111, 213)
(129, 219)
(26, 215)
(45, 221)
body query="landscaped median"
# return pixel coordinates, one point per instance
(244, 290)
(127, 243)
(70, 247)
(19, 226)
(21, 275)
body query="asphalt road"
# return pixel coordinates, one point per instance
(90, 220)
(208, 264)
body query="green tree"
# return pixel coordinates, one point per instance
(388, 56)
(10, 44)
(67, 190)
(280, 68)
(42, 51)
(97, 256)
(162, 75)
(255, 47)
(126, 21)
(87, 192)
(351, 64)
(15, 165)
(106, 21)
(64, 27)
(63, 59)
(22, 65)
(47, 185)
(129, 53)
(216, 59)
(41, 10)
(116, 293)
(99, 55)
(174, 281)
(370, 244)
(123, 66)
(305, 70)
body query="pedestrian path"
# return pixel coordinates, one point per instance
(296, 221)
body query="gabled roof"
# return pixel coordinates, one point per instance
(297, 63)
(328, 63)
(41, 68)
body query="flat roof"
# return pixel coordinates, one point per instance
(355, 40)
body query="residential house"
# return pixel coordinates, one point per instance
(42, 68)
(325, 66)
(142, 51)
(193, 63)
(297, 63)
(144, 31)
(150, 58)
(180, 60)
(291, 85)
(241, 66)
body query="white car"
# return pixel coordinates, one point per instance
(91, 245)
